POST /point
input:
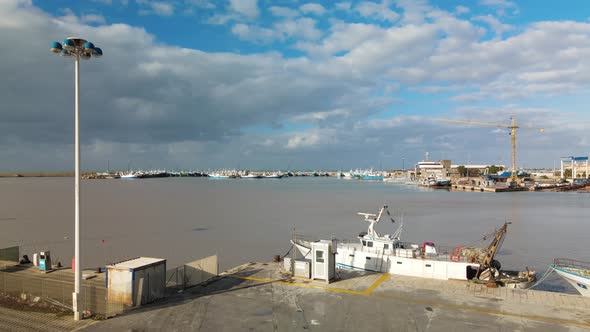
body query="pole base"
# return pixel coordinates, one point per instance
(75, 306)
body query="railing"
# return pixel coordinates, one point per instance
(409, 250)
(566, 262)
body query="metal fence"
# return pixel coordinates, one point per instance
(10, 254)
(193, 273)
(93, 299)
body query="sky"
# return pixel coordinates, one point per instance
(288, 84)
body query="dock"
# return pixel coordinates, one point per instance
(461, 187)
(259, 297)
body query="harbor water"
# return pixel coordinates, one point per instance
(241, 220)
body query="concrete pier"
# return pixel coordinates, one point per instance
(259, 297)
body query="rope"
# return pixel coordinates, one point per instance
(285, 255)
(390, 217)
(543, 278)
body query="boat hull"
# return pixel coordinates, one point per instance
(579, 282)
(403, 263)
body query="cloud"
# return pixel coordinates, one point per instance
(343, 37)
(501, 6)
(247, 8)
(335, 103)
(414, 11)
(151, 7)
(303, 140)
(321, 116)
(498, 27)
(379, 11)
(92, 18)
(344, 6)
(237, 10)
(303, 27)
(283, 11)
(204, 4)
(312, 8)
(254, 33)
(460, 10)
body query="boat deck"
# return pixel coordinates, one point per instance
(258, 296)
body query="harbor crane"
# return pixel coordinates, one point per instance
(512, 126)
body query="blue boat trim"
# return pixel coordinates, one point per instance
(568, 272)
(349, 267)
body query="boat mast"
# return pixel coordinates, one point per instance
(372, 219)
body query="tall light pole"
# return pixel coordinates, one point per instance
(76, 48)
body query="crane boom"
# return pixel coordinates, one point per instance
(476, 123)
(493, 248)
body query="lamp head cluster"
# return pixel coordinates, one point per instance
(72, 46)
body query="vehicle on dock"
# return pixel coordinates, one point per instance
(388, 253)
(577, 273)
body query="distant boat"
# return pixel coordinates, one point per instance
(218, 176)
(367, 175)
(129, 176)
(252, 176)
(436, 183)
(273, 176)
(577, 273)
(371, 176)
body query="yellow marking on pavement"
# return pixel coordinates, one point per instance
(376, 284)
(384, 277)
(282, 282)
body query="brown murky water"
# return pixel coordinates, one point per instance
(242, 220)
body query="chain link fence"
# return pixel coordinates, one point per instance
(94, 298)
(192, 274)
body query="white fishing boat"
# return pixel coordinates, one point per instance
(387, 253)
(129, 176)
(577, 273)
(251, 176)
(273, 175)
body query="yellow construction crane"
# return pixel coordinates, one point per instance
(512, 126)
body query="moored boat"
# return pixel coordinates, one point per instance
(388, 253)
(577, 273)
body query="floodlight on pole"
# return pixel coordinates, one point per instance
(76, 48)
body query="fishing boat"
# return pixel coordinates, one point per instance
(371, 176)
(436, 183)
(219, 175)
(388, 253)
(273, 176)
(367, 175)
(577, 273)
(129, 176)
(251, 176)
